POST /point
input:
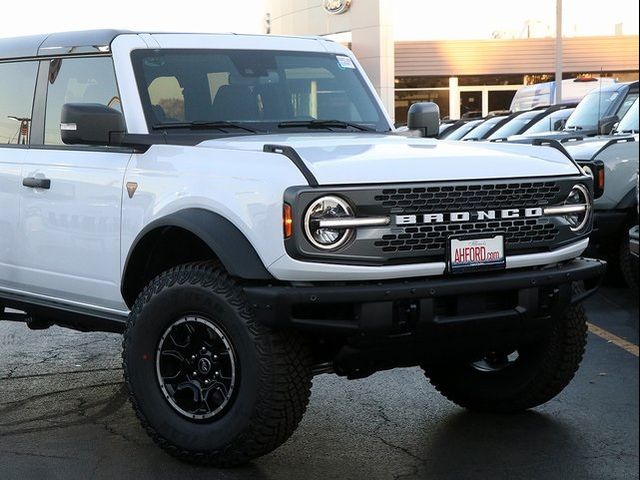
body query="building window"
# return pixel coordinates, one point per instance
(478, 80)
(405, 98)
(422, 82)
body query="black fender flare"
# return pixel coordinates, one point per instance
(225, 240)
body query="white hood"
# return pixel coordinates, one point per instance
(350, 158)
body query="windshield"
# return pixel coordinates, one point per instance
(253, 91)
(515, 125)
(480, 131)
(629, 123)
(591, 109)
(462, 131)
(551, 123)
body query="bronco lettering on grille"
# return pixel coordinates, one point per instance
(479, 215)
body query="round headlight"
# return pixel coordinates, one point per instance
(578, 197)
(327, 208)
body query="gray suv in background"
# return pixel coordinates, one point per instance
(634, 233)
(616, 209)
(597, 113)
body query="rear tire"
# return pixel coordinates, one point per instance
(540, 372)
(628, 265)
(267, 375)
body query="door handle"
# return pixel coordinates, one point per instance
(33, 182)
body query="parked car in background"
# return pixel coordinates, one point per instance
(520, 122)
(634, 233)
(485, 128)
(449, 126)
(597, 113)
(633, 243)
(471, 115)
(616, 210)
(551, 123)
(540, 94)
(629, 123)
(465, 127)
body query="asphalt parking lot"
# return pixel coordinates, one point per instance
(64, 414)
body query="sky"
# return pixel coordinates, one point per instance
(479, 19)
(240, 16)
(414, 19)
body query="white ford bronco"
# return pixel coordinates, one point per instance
(241, 208)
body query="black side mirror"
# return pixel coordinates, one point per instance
(606, 124)
(90, 124)
(424, 116)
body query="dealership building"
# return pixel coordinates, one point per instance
(459, 75)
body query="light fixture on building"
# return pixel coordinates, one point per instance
(336, 7)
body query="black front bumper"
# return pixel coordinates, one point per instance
(415, 305)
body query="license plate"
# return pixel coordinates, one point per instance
(475, 253)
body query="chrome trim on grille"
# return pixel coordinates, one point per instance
(565, 209)
(352, 222)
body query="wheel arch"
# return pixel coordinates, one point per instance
(188, 235)
(628, 201)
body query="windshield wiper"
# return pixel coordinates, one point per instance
(324, 124)
(627, 131)
(203, 125)
(573, 127)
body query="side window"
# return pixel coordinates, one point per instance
(17, 85)
(626, 105)
(77, 80)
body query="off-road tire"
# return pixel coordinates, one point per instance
(541, 372)
(628, 265)
(275, 370)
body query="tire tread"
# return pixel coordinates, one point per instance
(559, 365)
(285, 373)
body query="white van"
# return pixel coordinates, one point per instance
(573, 90)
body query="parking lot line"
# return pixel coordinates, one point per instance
(611, 338)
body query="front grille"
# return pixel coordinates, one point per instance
(469, 197)
(519, 234)
(427, 242)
